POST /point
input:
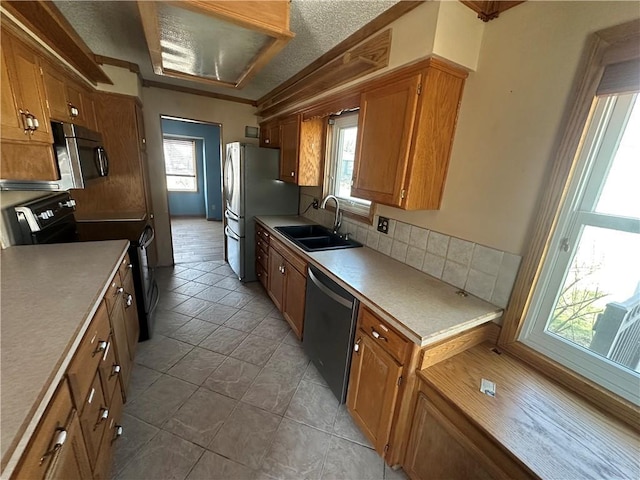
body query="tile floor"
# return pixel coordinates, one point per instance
(196, 239)
(224, 391)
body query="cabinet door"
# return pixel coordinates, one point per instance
(276, 278)
(30, 86)
(56, 89)
(118, 326)
(434, 451)
(12, 128)
(131, 315)
(385, 128)
(290, 139)
(294, 298)
(72, 462)
(274, 135)
(373, 390)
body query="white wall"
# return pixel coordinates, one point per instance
(511, 118)
(156, 102)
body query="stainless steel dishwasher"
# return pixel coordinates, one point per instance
(329, 327)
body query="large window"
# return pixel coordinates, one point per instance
(343, 135)
(586, 309)
(180, 164)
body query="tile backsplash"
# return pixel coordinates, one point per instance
(482, 271)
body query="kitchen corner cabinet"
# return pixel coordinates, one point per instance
(270, 134)
(25, 130)
(406, 126)
(375, 380)
(301, 150)
(287, 284)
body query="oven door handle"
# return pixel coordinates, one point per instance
(153, 236)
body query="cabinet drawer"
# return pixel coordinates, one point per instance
(125, 268)
(263, 276)
(88, 356)
(261, 245)
(39, 454)
(114, 292)
(379, 331)
(262, 258)
(295, 261)
(112, 432)
(262, 234)
(109, 372)
(94, 418)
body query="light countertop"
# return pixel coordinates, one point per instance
(49, 295)
(421, 307)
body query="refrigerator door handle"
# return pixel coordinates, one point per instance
(228, 167)
(229, 233)
(230, 215)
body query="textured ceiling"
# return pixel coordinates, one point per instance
(113, 29)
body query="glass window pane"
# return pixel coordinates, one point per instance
(346, 154)
(598, 306)
(621, 193)
(181, 184)
(179, 157)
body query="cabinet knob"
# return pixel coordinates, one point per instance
(117, 432)
(266, 140)
(58, 442)
(130, 266)
(104, 414)
(115, 370)
(356, 347)
(73, 111)
(102, 346)
(293, 174)
(128, 300)
(119, 290)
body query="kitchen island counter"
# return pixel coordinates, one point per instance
(421, 307)
(49, 296)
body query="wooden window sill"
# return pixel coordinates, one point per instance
(548, 429)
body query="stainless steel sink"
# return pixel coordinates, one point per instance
(314, 238)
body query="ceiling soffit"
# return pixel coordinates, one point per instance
(219, 43)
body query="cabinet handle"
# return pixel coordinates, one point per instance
(117, 433)
(266, 234)
(119, 290)
(36, 123)
(104, 414)
(293, 174)
(73, 110)
(356, 347)
(128, 301)
(115, 370)
(377, 335)
(130, 266)
(102, 346)
(58, 442)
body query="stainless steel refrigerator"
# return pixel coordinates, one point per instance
(251, 187)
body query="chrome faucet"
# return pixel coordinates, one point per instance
(338, 218)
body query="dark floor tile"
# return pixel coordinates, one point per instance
(255, 349)
(194, 331)
(212, 466)
(233, 378)
(223, 340)
(160, 401)
(346, 459)
(196, 365)
(135, 435)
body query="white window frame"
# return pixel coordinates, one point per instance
(601, 141)
(194, 146)
(353, 205)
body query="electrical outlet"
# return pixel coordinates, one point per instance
(383, 224)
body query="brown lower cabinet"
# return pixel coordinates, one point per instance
(438, 449)
(287, 284)
(75, 436)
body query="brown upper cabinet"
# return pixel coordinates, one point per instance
(405, 131)
(301, 145)
(270, 134)
(25, 130)
(68, 101)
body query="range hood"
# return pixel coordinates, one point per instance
(219, 43)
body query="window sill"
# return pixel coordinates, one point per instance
(544, 426)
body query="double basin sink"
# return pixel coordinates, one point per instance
(314, 238)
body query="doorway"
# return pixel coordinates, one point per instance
(192, 159)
